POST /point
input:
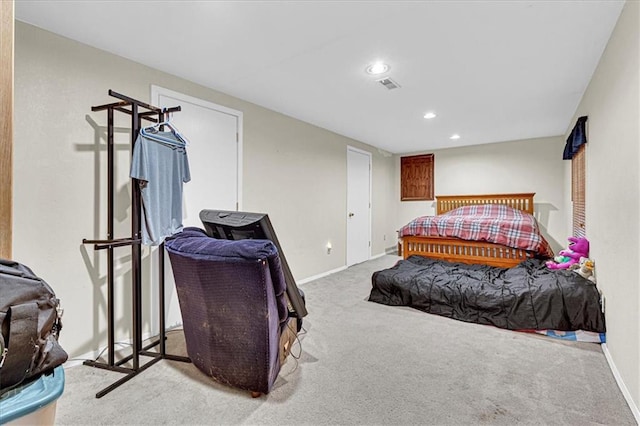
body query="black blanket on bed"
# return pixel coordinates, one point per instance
(529, 296)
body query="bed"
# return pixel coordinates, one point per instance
(483, 252)
(527, 297)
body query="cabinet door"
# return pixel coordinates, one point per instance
(416, 178)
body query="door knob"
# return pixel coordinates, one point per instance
(350, 214)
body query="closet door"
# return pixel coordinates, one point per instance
(358, 206)
(214, 133)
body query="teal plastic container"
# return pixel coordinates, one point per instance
(27, 399)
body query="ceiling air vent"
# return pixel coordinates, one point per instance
(388, 83)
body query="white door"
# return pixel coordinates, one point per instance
(214, 151)
(213, 133)
(358, 206)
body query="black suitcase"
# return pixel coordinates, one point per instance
(29, 326)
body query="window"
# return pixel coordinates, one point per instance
(578, 191)
(416, 177)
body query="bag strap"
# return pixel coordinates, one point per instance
(20, 344)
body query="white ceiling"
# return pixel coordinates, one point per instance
(492, 70)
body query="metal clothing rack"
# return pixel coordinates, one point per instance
(138, 111)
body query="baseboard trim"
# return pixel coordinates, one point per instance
(75, 361)
(122, 349)
(333, 271)
(620, 382)
(392, 250)
(93, 354)
(322, 275)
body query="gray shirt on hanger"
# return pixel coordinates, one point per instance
(161, 169)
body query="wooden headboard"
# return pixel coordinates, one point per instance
(522, 202)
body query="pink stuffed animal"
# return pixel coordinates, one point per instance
(578, 247)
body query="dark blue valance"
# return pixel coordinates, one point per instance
(575, 140)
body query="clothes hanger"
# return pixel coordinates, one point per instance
(151, 132)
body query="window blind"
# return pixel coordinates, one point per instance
(578, 177)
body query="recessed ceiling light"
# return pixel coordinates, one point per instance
(455, 136)
(377, 68)
(430, 115)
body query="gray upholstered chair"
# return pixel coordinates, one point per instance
(232, 296)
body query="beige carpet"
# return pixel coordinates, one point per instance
(365, 363)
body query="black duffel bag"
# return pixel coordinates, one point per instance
(29, 326)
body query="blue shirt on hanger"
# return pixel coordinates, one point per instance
(161, 169)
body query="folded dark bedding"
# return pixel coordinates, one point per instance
(526, 297)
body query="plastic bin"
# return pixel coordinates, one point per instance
(33, 403)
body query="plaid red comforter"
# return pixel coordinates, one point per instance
(493, 223)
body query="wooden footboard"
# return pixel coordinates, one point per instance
(457, 250)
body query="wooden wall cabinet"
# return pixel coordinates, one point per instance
(416, 178)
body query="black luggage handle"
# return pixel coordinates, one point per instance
(20, 347)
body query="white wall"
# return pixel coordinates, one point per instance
(384, 219)
(612, 102)
(294, 171)
(509, 167)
